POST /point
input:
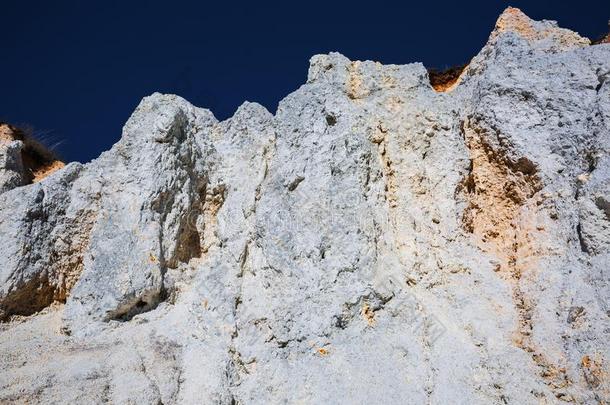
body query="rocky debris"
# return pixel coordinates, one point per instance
(376, 240)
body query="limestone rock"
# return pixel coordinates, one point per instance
(373, 241)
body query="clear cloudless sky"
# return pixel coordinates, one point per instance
(75, 70)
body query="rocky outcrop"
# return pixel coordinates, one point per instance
(23, 160)
(376, 240)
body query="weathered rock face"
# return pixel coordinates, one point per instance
(374, 241)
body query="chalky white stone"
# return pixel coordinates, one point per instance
(374, 241)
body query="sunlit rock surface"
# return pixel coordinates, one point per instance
(374, 241)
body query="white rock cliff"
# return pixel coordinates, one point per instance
(374, 241)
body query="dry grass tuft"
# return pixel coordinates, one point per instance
(39, 161)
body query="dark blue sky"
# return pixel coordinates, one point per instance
(75, 70)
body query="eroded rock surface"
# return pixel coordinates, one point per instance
(374, 241)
